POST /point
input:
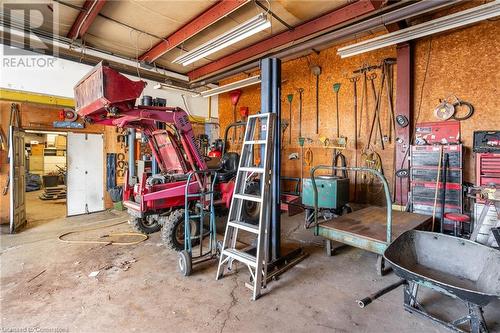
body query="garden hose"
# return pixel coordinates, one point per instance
(107, 242)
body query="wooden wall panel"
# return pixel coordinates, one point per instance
(462, 62)
(297, 74)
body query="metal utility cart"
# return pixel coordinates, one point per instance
(371, 228)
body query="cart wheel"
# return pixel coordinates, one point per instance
(185, 263)
(218, 247)
(381, 267)
(329, 248)
(346, 210)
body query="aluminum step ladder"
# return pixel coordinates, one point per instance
(250, 167)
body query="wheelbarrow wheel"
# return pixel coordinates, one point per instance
(144, 225)
(185, 263)
(382, 267)
(172, 233)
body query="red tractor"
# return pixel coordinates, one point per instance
(155, 202)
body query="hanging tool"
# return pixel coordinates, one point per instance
(388, 70)
(301, 144)
(364, 92)
(354, 81)
(336, 88)
(235, 97)
(364, 102)
(308, 158)
(316, 71)
(376, 112)
(290, 99)
(300, 91)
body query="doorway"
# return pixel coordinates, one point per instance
(45, 177)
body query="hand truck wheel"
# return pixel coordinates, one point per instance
(185, 263)
(382, 268)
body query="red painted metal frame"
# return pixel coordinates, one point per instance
(204, 20)
(85, 19)
(324, 22)
(403, 107)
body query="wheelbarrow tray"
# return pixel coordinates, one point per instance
(457, 267)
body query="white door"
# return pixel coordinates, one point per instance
(17, 179)
(85, 173)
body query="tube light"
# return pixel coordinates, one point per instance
(232, 86)
(242, 31)
(164, 86)
(465, 17)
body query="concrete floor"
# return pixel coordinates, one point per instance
(45, 283)
(41, 211)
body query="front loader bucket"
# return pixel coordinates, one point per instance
(103, 87)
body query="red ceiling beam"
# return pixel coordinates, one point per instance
(85, 19)
(204, 20)
(326, 21)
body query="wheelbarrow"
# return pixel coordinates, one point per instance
(456, 267)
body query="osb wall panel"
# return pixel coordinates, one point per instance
(36, 117)
(465, 64)
(461, 63)
(297, 74)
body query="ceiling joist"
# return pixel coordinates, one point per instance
(204, 20)
(322, 23)
(85, 18)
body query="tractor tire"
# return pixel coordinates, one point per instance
(144, 226)
(172, 232)
(251, 210)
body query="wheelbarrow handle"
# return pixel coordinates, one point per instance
(367, 300)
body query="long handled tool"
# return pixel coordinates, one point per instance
(316, 70)
(376, 112)
(389, 92)
(336, 88)
(290, 99)
(364, 102)
(354, 81)
(301, 92)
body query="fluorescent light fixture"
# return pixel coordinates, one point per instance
(164, 86)
(68, 45)
(232, 86)
(242, 31)
(462, 18)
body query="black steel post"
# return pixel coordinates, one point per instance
(276, 192)
(270, 101)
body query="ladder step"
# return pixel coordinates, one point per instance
(241, 256)
(248, 197)
(252, 169)
(255, 142)
(244, 226)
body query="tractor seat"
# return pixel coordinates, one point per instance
(228, 167)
